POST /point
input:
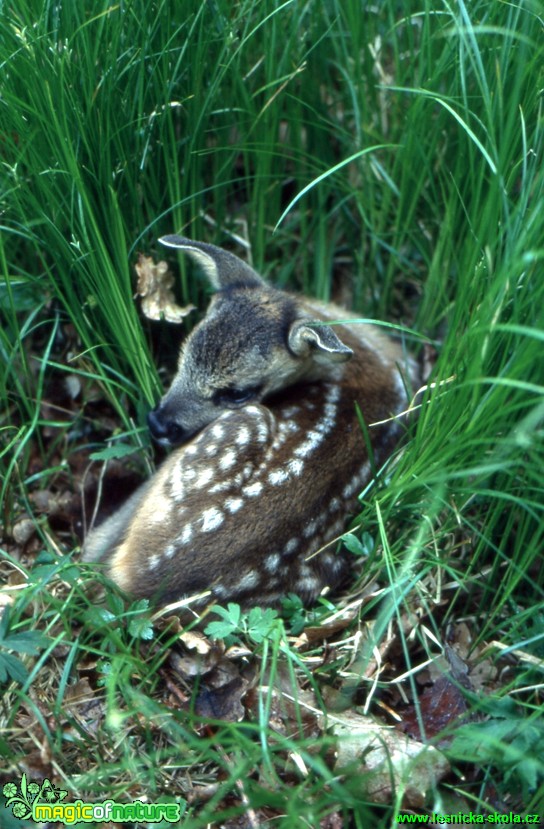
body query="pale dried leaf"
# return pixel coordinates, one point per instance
(23, 530)
(6, 600)
(155, 287)
(389, 761)
(196, 655)
(72, 384)
(194, 640)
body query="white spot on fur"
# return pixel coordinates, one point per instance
(362, 476)
(186, 534)
(308, 446)
(211, 449)
(291, 546)
(176, 481)
(228, 459)
(291, 411)
(350, 488)
(253, 489)
(170, 551)
(335, 504)
(243, 475)
(309, 584)
(310, 529)
(232, 505)
(325, 425)
(278, 477)
(204, 477)
(336, 528)
(192, 449)
(272, 562)
(211, 519)
(218, 431)
(249, 580)
(220, 591)
(263, 430)
(253, 410)
(153, 562)
(243, 437)
(296, 467)
(357, 482)
(220, 487)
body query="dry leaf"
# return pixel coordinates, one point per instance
(196, 641)
(155, 287)
(326, 630)
(388, 760)
(23, 530)
(440, 705)
(196, 655)
(222, 703)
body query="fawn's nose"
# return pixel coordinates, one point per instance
(164, 431)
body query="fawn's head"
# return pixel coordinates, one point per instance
(253, 341)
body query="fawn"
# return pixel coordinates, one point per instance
(271, 456)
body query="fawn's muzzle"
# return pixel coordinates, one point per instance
(164, 431)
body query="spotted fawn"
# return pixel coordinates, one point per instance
(271, 456)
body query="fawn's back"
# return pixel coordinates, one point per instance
(272, 457)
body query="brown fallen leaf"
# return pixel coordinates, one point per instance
(318, 633)
(196, 655)
(155, 287)
(223, 703)
(440, 705)
(85, 706)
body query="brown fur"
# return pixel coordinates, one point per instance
(265, 482)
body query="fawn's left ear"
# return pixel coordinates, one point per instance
(220, 266)
(305, 336)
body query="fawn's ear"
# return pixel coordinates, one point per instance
(305, 336)
(221, 267)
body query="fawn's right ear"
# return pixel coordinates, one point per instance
(222, 268)
(305, 335)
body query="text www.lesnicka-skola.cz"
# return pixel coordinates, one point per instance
(467, 818)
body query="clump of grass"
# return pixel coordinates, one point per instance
(400, 145)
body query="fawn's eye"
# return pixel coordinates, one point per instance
(235, 397)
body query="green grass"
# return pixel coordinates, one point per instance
(120, 123)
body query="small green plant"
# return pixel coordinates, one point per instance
(28, 642)
(511, 743)
(362, 545)
(256, 625)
